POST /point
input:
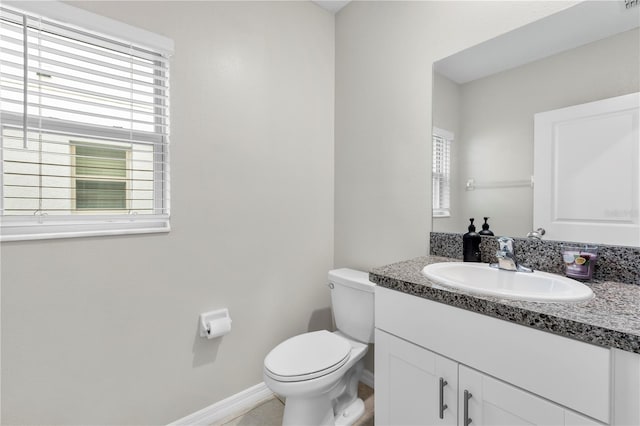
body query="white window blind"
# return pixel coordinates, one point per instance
(84, 123)
(441, 173)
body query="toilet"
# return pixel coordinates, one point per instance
(318, 372)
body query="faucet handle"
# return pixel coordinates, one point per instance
(506, 244)
(507, 258)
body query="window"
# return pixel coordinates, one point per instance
(84, 126)
(100, 178)
(441, 173)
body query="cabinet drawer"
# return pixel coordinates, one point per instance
(572, 373)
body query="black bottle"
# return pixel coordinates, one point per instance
(485, 228)
(471, 244)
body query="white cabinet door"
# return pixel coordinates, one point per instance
(409, 380)
(586, 172)
(490, 402)
(486, 401)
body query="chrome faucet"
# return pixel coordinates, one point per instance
(507, 258)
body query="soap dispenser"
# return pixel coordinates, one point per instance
(485, 228)
(471, 244)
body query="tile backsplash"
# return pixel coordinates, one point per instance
(615, 263)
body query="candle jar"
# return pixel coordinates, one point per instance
(579, 260)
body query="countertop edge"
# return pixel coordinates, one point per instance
(406, 277)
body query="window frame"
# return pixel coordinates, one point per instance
(77, 224)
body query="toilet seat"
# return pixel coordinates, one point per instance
(307, 356)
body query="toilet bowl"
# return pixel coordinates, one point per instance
(318, 372)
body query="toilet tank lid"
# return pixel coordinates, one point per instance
(352, 278)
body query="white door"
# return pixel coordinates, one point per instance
(586, 162)
(414, 386)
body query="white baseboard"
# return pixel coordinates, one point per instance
(236, 404)
(367, 378)
(233, 405)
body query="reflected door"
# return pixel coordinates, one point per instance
(586, 162)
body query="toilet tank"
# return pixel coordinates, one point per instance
(352, 300)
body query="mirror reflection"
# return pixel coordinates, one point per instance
(485, 99)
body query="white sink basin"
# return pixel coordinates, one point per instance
(480, 278)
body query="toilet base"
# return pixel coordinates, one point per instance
(307, 411)
(350, 414)
(318, 411)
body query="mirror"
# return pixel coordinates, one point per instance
(486, 97)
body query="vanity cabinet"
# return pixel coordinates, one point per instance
(512, 374)
(415, 386)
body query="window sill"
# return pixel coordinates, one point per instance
(441, 215)
(56, 229)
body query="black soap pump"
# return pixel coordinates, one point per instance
(485, 228)
(471, 244)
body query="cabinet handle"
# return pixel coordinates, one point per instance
(467, 396)
(443, 406)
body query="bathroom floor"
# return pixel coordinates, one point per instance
(269, 413)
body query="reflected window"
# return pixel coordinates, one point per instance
(441, 172)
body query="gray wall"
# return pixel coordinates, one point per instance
(104, 330)
(496, 124)
(446, 106)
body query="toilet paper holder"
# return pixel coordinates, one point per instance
(215, 323)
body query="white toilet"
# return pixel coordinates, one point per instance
(318, 372)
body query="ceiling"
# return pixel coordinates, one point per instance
(575, 26)
(332, 6)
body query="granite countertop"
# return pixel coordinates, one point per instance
(610, 319)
